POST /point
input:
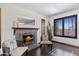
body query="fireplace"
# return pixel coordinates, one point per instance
(28, 39)
(26, 35)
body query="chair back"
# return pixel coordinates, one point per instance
(45, 37)
(10, 44)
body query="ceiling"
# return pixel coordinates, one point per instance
(48, 9)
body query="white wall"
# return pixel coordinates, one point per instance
(11, 12)
(71, 41)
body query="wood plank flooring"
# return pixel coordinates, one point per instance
(57, 49)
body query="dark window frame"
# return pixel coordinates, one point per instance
(62, 18)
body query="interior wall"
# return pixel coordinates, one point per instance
(70, 41)
(11, 12)
(0, 29)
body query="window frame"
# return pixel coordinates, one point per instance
(63, 18)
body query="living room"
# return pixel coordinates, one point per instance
(23, 24)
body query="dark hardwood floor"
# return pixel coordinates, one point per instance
(40, 51)
(57, 49)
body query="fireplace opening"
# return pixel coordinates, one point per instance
(28, 39)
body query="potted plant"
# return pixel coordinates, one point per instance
(49, 31)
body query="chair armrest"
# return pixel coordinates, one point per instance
(19, 51)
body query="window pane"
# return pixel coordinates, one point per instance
(72, 27)
(58, 27)
(69, 27)
(66, 27)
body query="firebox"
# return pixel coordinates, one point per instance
(28, 39)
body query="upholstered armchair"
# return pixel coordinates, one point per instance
(14, 50)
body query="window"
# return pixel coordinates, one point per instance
(66, 26)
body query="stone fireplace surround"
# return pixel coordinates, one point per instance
(19, 32)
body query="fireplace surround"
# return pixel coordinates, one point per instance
(26, 35)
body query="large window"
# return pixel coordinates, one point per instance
(66, 26)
